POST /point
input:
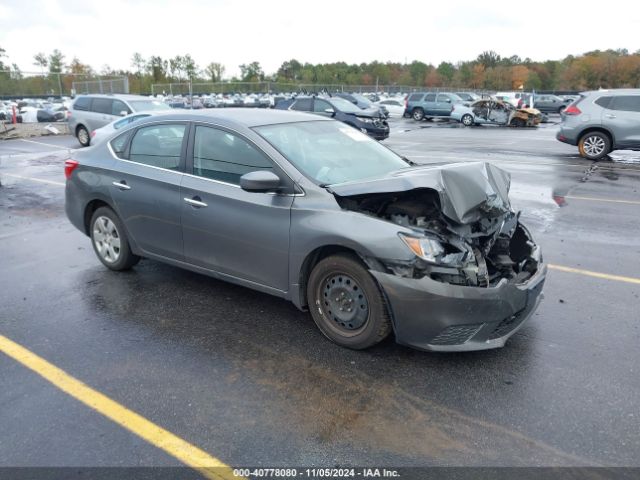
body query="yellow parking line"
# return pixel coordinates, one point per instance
(594, 199)
(33, 179)
(589, 273)
(175, 446)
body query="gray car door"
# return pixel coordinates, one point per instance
(226, 229)
(623, 119)
(443, 105)
(146, 187)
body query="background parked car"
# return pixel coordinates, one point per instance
(361, 101)
(370, 122)
(549, 103)
(495, 112)
(602, 121)
(468, 97)
(89, 112)
(394, 106)
(99, 134)
(431, 104)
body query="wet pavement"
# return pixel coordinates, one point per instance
(249, 379)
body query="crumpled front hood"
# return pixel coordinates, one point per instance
(467, 191)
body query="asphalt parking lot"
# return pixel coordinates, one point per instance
(249, 379)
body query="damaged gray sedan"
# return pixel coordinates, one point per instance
(316, 212)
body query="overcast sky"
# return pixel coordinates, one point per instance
(101, 32)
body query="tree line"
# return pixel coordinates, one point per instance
(488, 71)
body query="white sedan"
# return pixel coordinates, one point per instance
(394, 106)
(100, 134)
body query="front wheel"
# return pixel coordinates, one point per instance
(110, 240)
(346, 303)
(594, 145)
(467, 120)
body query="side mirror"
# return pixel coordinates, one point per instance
(330, 111)
(260, 181)
(124, 113)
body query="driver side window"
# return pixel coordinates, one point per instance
(225, 157)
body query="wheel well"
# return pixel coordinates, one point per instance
(91, 207)
(79, 126)
(312, 260)
(597, 129)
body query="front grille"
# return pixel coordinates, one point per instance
(456, 334)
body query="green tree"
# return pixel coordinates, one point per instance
(40, 60)
(56, 61)
(138, 61)
(488, 59)
(251, 72)
(214, 71)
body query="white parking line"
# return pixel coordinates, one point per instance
(33, 179)
(45, 144)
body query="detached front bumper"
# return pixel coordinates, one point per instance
(431, 315)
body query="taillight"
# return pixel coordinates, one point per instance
(572, 110)
(93, 134)
(69, 166)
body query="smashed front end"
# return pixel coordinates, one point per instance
(476, 273)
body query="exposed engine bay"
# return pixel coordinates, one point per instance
(491, 246)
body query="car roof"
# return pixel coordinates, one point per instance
(122, 96)
(247, 117)
(613, 91)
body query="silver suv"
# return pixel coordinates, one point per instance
(90, 112)
(602, 121)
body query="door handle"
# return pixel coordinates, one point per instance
(610, 115)
(195, 202)
(122, 185)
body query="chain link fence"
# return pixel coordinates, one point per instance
(100, 85)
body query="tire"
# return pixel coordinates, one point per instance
(561, 109)
(594, 145)
(417, 114)
(467, 120)
(339, 284)
(518, 122)
(82, 134)
(109, 240)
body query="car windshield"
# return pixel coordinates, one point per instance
(345, 105)
(148, 105)
(330, 152)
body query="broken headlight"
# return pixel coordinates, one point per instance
(426, 248)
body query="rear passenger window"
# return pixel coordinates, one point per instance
(225, 157)
(82, 103)
(102, 105)
(415, 97)
(604, 101)
(627, 103)
(431, 97)
(158, 146)
(302, 105)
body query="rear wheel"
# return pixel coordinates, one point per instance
(594, 145)
(467, 120)
(110, 240)
(418, 114)
(82, 134)
(346, 303)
